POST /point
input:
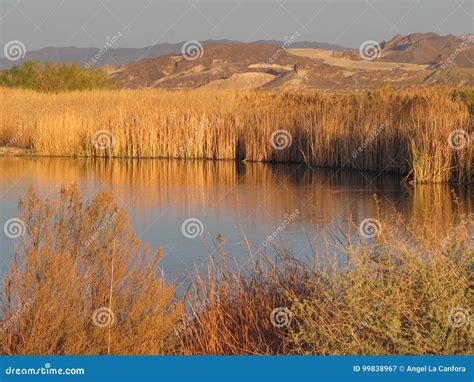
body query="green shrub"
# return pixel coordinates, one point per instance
(53, 77)
(465, 95)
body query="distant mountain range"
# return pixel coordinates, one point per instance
(430, 49)
(416, 59)
(120, 56)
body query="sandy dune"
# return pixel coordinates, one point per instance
(328, 57)
(243, 81)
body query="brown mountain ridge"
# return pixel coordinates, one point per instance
(403, 61)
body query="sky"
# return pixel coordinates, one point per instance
(139, 23)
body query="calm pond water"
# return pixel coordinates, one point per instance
(299, 207)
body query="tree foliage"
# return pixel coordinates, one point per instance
(54, 77)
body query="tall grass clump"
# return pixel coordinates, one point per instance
(408, 132)
(231, 307)
(82, 283)
(400, 295)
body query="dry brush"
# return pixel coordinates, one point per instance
(425, 133)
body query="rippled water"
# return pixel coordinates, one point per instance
(240, 205)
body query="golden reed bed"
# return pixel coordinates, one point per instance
(423, 133)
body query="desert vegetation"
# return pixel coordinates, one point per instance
(54, 77)
(77, 260)
(425, 134)
(82, 283)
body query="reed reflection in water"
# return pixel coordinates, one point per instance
(239, 205)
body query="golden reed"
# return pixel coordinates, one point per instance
(423, 133)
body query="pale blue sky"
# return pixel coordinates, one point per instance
(85, 23)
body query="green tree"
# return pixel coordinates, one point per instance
(54, 77)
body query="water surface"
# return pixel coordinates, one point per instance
(300, 208)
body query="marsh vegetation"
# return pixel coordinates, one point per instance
(425, 134)
(403, 293)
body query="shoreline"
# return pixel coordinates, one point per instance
(377, 295)
(6, 151)
(425, 134)
(15, 152)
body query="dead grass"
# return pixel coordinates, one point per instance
(413, 127)
(74, 260)
(395, 294)
(394, 297)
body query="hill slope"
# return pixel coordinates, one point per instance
(121, 56)
(404, 61)
(429, 49)
(416, 59)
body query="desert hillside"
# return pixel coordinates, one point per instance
(418, 59)
(421, 58)
(430, 49)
